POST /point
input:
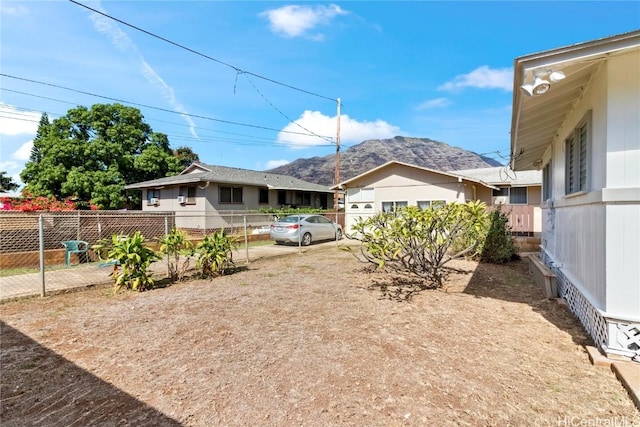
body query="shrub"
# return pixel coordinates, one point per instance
(215, 254)
(499, 246)
(176, 245)
(132, 260)
(419, 242)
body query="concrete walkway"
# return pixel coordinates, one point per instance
(85, 275)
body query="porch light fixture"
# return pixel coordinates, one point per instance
(540, 86)
(556, 76)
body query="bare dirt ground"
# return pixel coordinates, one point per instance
(305, 339)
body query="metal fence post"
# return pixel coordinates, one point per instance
(246, 238)
(41, 243)
(166, 233)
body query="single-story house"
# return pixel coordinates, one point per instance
(396, 184)
(216, 190)
(518, 193)
(576, 117)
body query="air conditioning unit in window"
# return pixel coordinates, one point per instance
(182, 200)
(154, 201)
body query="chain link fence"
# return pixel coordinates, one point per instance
(32, 244)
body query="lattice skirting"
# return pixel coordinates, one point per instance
(612, 336)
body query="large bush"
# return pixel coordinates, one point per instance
(420, 242)
(499, 246)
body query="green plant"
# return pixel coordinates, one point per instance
(215, 254)
(132, 260)
(499, 246)
(475, 235)
(419, 242)
(176, 245)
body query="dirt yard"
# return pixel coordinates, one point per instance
(305, 339)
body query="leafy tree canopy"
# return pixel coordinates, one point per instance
(185, 156)
(90, 154)
(6, 182)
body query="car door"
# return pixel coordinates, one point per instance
(326, 226)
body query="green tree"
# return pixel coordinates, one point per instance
(185, 156)
(91, 153)
(6, 182)
(420, 242)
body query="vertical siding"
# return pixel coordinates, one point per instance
(623, 129)
(623, 260)
(580, 248)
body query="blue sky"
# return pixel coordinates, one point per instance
(439, 70)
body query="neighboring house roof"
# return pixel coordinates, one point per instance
(536, 119)
(503, 175)
(394, 162)
(202, 173)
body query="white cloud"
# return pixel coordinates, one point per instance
(275, 163)
(24, 152)
(433, 103)
(121, 41)
(351, 130)
(295, 20)
(18, 10)
(18, 122)
(8, 166)
(482, 77)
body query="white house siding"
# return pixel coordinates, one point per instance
(623, 265)
(592, 239)
(623, 128)
(398, 183)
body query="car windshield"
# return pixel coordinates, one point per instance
(294, 218)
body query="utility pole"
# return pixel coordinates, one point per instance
(336, 194)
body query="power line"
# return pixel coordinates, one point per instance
(172, 136)
(236, 69)
(147, 106)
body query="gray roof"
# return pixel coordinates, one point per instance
(453, 174)
(503, 175)
(227, 175)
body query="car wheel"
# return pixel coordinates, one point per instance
(306, 239)
(338, 234)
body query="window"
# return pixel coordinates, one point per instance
(303, 199)
(393, 206)
(576, 152)
(189, 193)
(546, 182)
(263, 197)
(152, 194)
(424, 204)
(518, 195)
(230, 194)
(360, 194)
(502, 191)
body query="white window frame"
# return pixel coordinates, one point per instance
(426, 204)
(394, 205)
(358, 194)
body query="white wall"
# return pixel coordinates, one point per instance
(401, 183)
(623, 123)
(594, 236)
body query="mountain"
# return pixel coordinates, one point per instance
(375, 152)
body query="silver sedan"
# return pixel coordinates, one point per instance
(304, 229)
